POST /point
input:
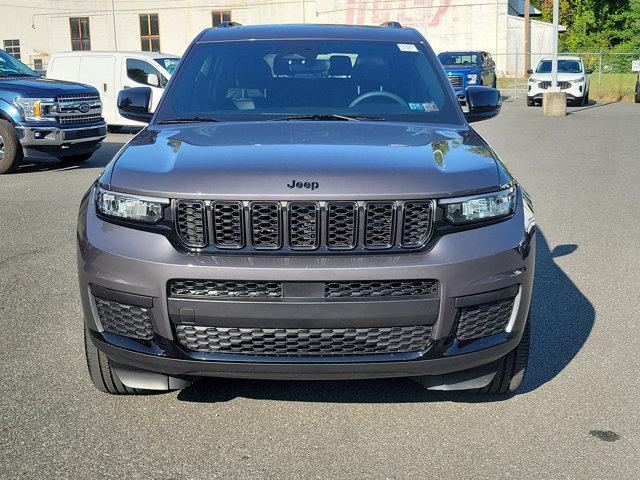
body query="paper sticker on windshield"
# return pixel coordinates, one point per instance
(407, 47)
(424, 107)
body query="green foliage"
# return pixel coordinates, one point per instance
(593, 25)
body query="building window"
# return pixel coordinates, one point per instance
(12, 47)
(80, 35)
(149, 32)
(37, 64)
(218, 16)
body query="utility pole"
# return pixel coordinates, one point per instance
(113, 16)
(554, 61)
(527, 37)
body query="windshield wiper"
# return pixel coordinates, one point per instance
(195, 119)
(329, 117)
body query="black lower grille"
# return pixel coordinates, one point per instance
(393, 288)
(483, 320)
(213, 288)
(304, 341)
(128, 320)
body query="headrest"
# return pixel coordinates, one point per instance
(371, 68)
(253, 73)
(340, 65)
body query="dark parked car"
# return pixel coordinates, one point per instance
(310, 204)
(46, 117)
(468, 68)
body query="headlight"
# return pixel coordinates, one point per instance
(34, 109)
(479, 208)
(532, 80)
(472, 78)
(130, 207)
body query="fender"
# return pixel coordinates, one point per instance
(9, 112)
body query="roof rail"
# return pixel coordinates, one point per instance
(228, 24)
(391, 25)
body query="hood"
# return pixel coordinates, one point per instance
(461, 69)
(562, 77)
(42, 87)
(336, 160)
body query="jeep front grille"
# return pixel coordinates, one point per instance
(299, 226)
(304, 341)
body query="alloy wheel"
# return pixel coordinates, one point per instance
(1, 147)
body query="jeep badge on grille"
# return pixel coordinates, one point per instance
(296, 184)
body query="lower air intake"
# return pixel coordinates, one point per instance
(128, 320)
(483, 320)
(304, 341)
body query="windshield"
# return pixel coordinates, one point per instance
(459, 59)
(564, 66)
(10, 67)
(280, 78)
(169, 64)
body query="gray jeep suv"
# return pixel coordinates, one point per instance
(307, 202)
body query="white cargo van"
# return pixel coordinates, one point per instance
(111, 72)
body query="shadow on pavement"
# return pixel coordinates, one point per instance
(562, 319)
(98, 160)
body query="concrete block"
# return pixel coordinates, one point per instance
(554, 104)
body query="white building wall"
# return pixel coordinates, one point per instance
(42, 26)
(540, 44)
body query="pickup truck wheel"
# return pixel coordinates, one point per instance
(512, 367)
(637, 99)
(101, 373)
(495, 82)
(10, 149)
(75, 159)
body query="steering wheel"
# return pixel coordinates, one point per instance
(377, 93)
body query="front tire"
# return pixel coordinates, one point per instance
(76, 159)
(101, 373)
(11, 153)
(637, 99)
(512, 367)
(530, 102)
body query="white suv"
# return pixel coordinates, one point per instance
(573, 79)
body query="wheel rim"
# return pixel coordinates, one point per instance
(1, 148)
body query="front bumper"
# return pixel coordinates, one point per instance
(56, 139)
(575, 91)
(473, 264)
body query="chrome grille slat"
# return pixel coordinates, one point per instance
(68, 112)
(305, 225)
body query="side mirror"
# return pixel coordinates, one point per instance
(153, 80)
(135, 103)
(589, 71)
(483, 103)
(530, 72)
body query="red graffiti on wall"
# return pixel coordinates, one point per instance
(416, 13)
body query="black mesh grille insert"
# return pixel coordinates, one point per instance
(303, 341)
(416, 224)
(265, 225)
(123, 319)
(482, 320)
(227, 224)
(303, 225)
(391, 288)
(217, 288)
(190, 223)
(379, 225)
(341, 224)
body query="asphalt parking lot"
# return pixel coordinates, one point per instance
(577, 414)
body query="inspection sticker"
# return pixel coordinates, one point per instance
(407, 47)
(425, 107)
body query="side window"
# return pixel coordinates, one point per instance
(139, 70)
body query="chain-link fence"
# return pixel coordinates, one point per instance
(612, 77)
